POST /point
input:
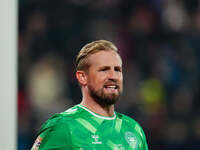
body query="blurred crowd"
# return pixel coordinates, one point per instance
(159, 41)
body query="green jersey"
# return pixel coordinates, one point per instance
(78, 128)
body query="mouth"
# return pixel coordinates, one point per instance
(111, 86)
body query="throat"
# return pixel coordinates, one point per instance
(107, 111)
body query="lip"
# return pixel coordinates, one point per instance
(107, 85)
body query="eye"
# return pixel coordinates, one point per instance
(103, 69)
(118, 69)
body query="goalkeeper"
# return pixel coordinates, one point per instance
(93, 124)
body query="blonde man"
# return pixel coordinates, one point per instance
(93, 124)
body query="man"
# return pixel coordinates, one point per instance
(93, 124)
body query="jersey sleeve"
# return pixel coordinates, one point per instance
(54, 135)
(144, 140)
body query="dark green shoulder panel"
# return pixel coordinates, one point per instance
(51, 122)
(63, 117)
(126, 118)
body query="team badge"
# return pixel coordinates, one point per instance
(131, 139)
(37, 143)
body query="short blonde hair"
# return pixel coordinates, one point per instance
(91, 48)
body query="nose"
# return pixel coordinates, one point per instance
(113, 75)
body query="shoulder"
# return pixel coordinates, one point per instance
(127, 119)
(62, 119)
(130, 123)
(72, 112)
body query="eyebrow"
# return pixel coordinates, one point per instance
(118, 67)
(106, 67)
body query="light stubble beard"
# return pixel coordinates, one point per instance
(102, 98)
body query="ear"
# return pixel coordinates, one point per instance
(81, 77)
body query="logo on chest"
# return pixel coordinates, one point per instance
(95, 139)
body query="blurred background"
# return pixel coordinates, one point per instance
(159, 41)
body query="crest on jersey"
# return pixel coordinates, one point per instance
(37, 143)
(131, 139)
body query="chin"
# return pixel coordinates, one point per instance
(108, 100)
(103, 98)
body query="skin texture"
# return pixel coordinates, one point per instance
(102, 84)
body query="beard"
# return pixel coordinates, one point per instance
(102, 98)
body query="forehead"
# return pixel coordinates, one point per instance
(105, 58)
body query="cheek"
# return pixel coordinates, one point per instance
(99, 77)
(99, 82)
(96, 81)
(121, 78)
(121, 81)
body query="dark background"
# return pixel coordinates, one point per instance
(159, 41)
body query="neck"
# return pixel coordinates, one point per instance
(92, 105)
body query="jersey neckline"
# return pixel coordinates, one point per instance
(97, 115)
